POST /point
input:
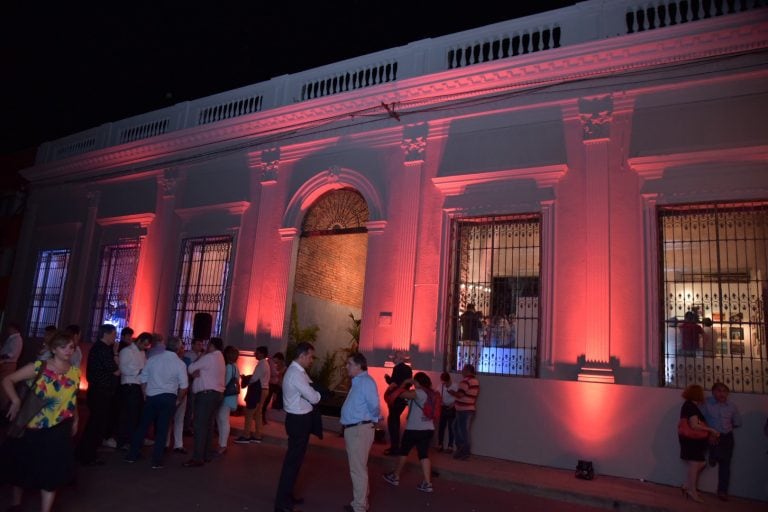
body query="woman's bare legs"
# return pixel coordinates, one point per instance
(47, 498)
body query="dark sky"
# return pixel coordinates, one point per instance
(67, 68)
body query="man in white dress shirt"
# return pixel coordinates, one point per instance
(131, 361)
(298, 398)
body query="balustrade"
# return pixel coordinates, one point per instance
(583, 22)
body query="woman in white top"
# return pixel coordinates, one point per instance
(447, 413)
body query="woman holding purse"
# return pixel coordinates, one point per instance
(43, 457)
(693, 450)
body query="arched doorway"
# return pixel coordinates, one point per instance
(330, 271)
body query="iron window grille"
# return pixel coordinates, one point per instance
(114, 289)
(202, 284)
(48, 290)
(495, 270)
(714, 260)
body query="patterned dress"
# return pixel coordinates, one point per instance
(43, 458)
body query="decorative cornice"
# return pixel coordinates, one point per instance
(142, 219)
(653, 167)
(605, 58)
(543, 176)
(231, 208)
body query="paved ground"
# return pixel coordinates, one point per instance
(246, 477)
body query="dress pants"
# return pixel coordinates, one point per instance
(298, 428)
(158, 409)
(206, 404)
(99, 407)
(358, 441)
(721, 454)
(131, 405)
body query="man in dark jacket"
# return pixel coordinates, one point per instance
(103, 378)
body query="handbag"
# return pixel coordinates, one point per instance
(233, 386)
(684, 429)
(31, 404)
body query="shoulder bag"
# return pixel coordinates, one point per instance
(31, 404)
(684, 429)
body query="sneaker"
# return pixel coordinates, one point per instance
(109, 443)
(244, 440)
(158, 466)
(424, 487)
(391, 479)
(256, 440)
(180, 450)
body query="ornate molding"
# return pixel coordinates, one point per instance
(543, 176)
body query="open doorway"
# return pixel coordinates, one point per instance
(330, 273)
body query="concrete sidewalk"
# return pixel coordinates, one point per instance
(604, 491)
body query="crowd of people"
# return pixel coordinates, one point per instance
(144, 390)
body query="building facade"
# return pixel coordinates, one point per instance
(576, 202)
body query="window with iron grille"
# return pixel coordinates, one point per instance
(494, 301)
(48, 291)
(714, 260)
(114, 289)
(202, 283)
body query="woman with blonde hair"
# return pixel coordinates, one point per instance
(693, 451)
(43, 457)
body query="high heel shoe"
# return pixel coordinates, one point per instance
(694, 497)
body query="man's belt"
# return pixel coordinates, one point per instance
(366, 422)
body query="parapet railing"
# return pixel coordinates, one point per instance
(586, 21)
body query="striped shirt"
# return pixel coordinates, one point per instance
(466, 398)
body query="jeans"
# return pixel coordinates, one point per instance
(447, 417)
(463, 420)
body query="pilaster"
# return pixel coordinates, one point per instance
(414, 147)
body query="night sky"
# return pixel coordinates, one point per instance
(68, 68)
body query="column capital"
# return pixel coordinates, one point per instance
(596, 114)
(414, 143)
(93, 197)
(168, 182)
(266, 163)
